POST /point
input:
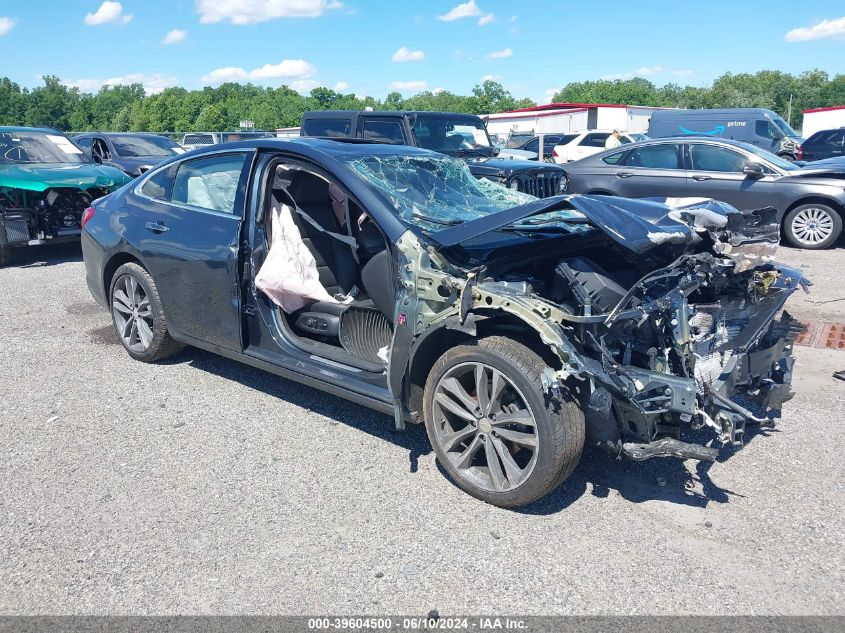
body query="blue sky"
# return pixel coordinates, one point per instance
(374, 46)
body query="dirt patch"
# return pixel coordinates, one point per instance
(104, 335)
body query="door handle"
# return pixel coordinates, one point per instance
(623, 174)
(700, 178)
(157, 227)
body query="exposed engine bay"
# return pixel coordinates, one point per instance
(37, 216)
(666, 321)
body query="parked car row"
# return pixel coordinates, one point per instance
(809, 198)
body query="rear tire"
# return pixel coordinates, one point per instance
(812, 226)
(138, 316)
(533, 439)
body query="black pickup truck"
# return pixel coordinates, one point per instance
(460, 135)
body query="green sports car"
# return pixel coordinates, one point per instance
(46, 183)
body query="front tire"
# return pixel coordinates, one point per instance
(138, 316)
(494, 428)
(812, 226)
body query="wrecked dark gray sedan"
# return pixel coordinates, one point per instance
(514, 329)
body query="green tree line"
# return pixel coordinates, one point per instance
(128, 108)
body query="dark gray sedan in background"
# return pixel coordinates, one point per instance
(132, 154)
(810, 199)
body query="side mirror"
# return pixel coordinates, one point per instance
(753, 170)
(496, 151)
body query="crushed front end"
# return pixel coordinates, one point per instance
(667, 320)
(36, 217)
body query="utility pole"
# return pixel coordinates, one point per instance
(789, 110)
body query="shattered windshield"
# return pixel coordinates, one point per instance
(39, 147)
(431, 192)
(453, 134)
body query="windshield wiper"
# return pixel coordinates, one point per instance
(471, 152)
(426, 218)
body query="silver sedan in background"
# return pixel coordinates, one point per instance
(809, 198)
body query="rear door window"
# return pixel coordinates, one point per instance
(594, 139)
(714, 158)
(664, 156)
(209, 183)
(328, 127)
(383, 130)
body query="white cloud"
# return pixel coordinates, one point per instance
(174, 36)
(222, 75)
(486, 19)
(6, 25)
(682, 72)
(242, 12)
(550, 93)
(646, 71)
(492, 78)
(286, 69)
(409, 86)
(405, 54)
(108, 13)
(342, 86)
(507, 52)
(465, 10)
(822, 30)
(437, 91)
(513, 19)
(304, 86)
(153, 83)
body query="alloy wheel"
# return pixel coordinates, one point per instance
(812, 226)
(133, 315)
(484, 426)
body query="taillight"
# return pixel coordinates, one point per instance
(555, 154)
(800, 153)
(87, 215)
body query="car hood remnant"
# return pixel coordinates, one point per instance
(42, 176)
(662, 316)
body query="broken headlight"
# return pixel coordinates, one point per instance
(563, 184)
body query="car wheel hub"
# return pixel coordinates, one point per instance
(812, 226)
(484, 427)
(132, 313)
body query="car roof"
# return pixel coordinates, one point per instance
(672, 112)
(329, 146)
(13, 128)
(331, 114)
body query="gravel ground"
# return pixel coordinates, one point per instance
(203, 486)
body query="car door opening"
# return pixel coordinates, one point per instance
(328, 269)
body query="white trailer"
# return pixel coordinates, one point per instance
(571, 117)
(817, 119)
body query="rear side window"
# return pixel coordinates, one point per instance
(198, 139)
(655, 157)
(384, 131)
(328, 127)
(613, 159)
(713, 158)
(826, 137)
(159, 185)
(594, 139)
(566, 139)
(209, 183)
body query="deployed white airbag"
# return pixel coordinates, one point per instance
(289, 275)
